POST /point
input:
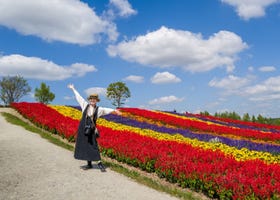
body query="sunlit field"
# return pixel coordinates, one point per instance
(222, 158)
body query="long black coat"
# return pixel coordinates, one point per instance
(86, 147)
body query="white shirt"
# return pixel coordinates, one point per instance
(83, 103)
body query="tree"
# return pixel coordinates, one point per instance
(13, 89)
(234, 115)
(246, 117)
(43, 94)
(205, 113)
(260, 119)
(118, 92)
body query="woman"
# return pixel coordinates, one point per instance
(86, 147)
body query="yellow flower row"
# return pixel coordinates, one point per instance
(67, 111)
(239, 154)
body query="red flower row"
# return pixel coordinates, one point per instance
(48, 118)
(210, 171)
(238, 122)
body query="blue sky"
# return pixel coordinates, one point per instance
(192, 55)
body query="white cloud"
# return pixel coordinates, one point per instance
(164, 77)
(247, 9)
(124, 8)
(37, 68)
(165, 100)
(67, 98)
(70, 21)
(267, 97)
(96, 90)
(267, 68)
(267, 90)
(269, 87)
(135, 79)
(251, 69)
(229, 83)
(175, 48)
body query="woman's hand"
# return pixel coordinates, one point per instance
(118, 112)
(71, 86)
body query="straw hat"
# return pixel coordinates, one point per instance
(94, 96)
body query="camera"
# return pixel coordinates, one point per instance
(88, 130)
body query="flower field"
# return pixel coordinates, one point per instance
(224, 159)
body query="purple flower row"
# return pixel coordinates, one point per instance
(76, 107)
(274, 149)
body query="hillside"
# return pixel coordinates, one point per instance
(221, 159)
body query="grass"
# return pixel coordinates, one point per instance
(145, 180)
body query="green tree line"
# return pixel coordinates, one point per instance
(245, 117)
(13, 88)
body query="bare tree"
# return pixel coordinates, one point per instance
(13, 89)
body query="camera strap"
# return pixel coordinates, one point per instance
(91, 120)
(95, 116)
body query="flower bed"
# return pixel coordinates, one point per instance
(195, 124)
(48, 118)
(155, 145)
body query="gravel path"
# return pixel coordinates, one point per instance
(31, 168)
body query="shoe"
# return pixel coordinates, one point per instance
(86, 167)
(101, 167)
